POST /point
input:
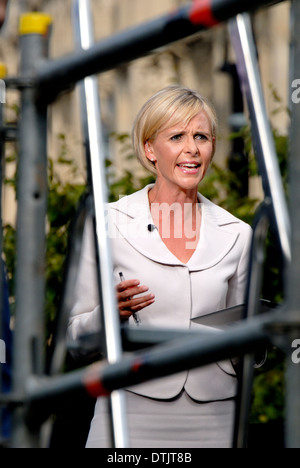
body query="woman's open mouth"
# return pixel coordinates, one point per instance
(189, 168)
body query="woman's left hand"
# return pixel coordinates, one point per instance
(128, 298)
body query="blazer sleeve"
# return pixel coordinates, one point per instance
(85, 312)
(238, 282)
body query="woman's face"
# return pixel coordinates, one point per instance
(182, 154)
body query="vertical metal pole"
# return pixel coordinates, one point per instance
(247, 65)
(96, 162)
(243, 404)
(248, 69)
(31, 214)
(293, 309)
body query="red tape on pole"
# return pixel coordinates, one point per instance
(201, 13)
(95, 388)
(92, 383)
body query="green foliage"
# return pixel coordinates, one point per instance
(9, 249)
(128, 182)
(268, 395)
(63, 200)
(217, 187)
(268, 403)
(269, 389)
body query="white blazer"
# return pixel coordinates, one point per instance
(214, 278)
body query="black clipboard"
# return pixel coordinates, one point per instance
(225, 317)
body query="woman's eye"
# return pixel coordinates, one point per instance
(200, 136)
(176, 137)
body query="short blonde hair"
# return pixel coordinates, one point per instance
(169, 106)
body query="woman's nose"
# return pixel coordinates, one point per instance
(191, 146)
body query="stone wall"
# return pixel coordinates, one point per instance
(195, 62)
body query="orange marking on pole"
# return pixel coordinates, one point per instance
(201, 13)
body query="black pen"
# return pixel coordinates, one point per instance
(135, 315)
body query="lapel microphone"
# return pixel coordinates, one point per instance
(151, 227)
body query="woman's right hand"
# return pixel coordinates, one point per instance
(129, 299)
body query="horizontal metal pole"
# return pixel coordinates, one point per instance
(133, 339)
(9, 133)
(55, 76)
(100, 379)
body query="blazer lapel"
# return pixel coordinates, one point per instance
(132, 217)
(215, 240)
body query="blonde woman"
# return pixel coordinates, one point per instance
(181, 256)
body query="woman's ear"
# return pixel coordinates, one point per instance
(149, 152)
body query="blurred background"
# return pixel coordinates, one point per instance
(204, 61)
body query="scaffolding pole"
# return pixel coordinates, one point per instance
(54, 76)
(262, 137)
(290, 328)
(93, 137)
(188, 350)
(31, 217)
(274, 211)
